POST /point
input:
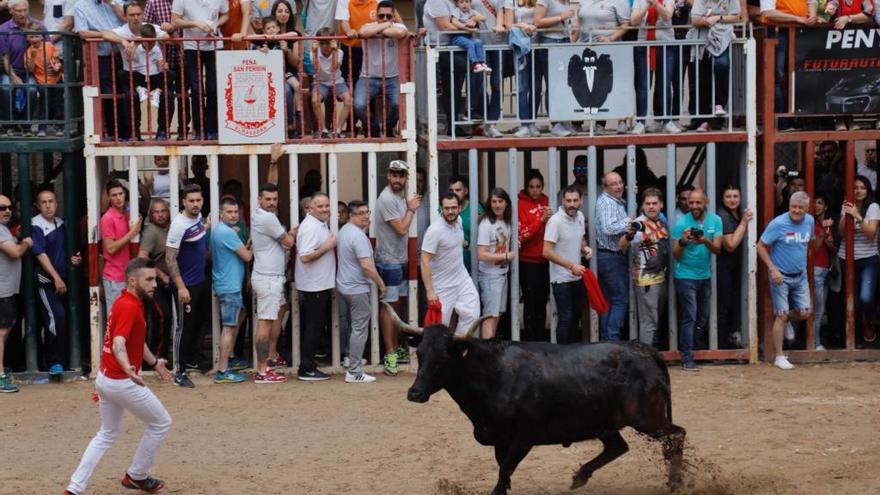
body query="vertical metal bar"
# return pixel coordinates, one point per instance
(848, 182)
(710, 210)
(93, 202)
(474, 202)
(671, 174)
(133, 197)
(372, 194)
(513, 307)
(592, 175)
(27, 272)
(433, 165)
(214, 193)
(71, 241)
(631, 211)
(768, 167)
(553, 193)
(333, 189)
(810, 179)
(293, 173)
(751, 192)
(408, 90)
(253, 189)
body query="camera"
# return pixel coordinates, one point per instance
(637, 226)
(696, 233)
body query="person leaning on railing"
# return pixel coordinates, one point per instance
(43, 64)
(519, 17)
(656, 16)
(713, 25)
(90, 20)
(493, 32)
(554, 18)
(15, 103)
(845, 13)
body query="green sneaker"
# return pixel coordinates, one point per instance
(7, 387)
(391, 364)
(402, 354)
(228, 377)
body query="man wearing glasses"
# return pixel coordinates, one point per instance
(11, 252)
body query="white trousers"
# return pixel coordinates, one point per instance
(118, 396)
(464, 300)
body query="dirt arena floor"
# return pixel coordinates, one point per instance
(751, 430)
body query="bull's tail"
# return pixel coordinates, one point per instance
(662, 364)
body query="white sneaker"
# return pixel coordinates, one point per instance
(155, 97)
(704, 127)
(622, 127)
(142, 93)
(570, 127)
(599, 129)
(362, 378)
(877, 125)
(671, 128)
(653, 127)
(559, 130)
(821, 348)
(639, 128)
(781, 362)
(492, 132)
(789, 331)
(533, 130)
(522, 132)
(720, 111)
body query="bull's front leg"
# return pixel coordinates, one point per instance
(613, 445)
(508, 456)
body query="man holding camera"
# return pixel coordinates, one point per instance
(696, 237)
(611, 224)
(647, 239)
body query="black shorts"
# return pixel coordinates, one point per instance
(8, 311)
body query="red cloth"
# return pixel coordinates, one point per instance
(594, 292)
(651, 35)
(434, 314)
(531, 228)
(126, 320)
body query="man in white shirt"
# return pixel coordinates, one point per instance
(443, 271)
(868, 168)
(58, 16)
(315, 276)
(564, 245)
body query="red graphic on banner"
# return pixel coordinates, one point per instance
(250, 99)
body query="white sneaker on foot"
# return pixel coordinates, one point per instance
(362, 378)
(821, 348)
(492, 132)
(522, 132)
(533, 130)
(622, 127)
(639, 128)
(720, 111)
(704, 127)
(782, 363)
(142, 93)
(671, 128)
(653, 127)
(559, 130)
(155, 97)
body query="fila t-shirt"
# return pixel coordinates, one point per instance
(788, 241)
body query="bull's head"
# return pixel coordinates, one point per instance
(438, 351)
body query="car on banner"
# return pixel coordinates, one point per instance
(856, 94)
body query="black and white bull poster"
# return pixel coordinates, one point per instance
(590, 83)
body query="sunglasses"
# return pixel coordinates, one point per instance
(385, 17)
(5, 207)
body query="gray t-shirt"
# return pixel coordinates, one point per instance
(390, 247)
(352, 245)
(444, 241)
(433, 10)
(153, 241)
(377, 51)
(717, 37)
(10, 268)
(489, 23)
(555, 8)
(567, 234)
(269, 255)
(319, 13)
(595, 14)
(522, 14)
(497, 237)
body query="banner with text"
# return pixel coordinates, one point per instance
(593, 82)
(837, 71)
(251, 106)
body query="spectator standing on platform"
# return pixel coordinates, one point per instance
(159, 313)
(328, 61)
(728, 266)
(394, 216)
(91, 18)
(555, 18)
(713, 24)
(496, 34)
(379, 75)
(236, 26)
(696, 237)
(495, 254)
(356, 271)
(260, 10)
(49, 248)
(117, 230)
(443, 272)
(564, 246)
(611, 223)
(58, 16)
(186, 252)
(849, 13)
(659, 61)
(200, 19)
(13, 49)
(788, 236)
(43, 63)
(823, 251)
(534, 271)
(158, 13)
(11, 251)
(315, 273)
(647, 239)
(351, 16)
(519, 19)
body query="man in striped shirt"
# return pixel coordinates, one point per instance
(611, 223)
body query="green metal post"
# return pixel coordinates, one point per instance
(71, 241)
(6, 173)
(27, 273)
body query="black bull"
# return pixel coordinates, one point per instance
(522, 394)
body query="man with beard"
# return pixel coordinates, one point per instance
(564, 245)
(120, 387)
(580, 182)
(443, 271)
(696, 237)
(159, 313)
(868, 168)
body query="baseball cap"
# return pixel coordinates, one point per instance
(398, 166)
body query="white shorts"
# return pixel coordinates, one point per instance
(269, 290)
(465, 301)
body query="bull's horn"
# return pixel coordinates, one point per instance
(403, 327)
(473, 329)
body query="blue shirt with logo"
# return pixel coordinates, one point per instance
(695, 260)
(788, 241)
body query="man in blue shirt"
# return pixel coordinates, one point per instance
(695, 238)
(90, 19)
(788, 237)
(52, 260)
(227, 271)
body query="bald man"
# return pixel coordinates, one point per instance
(695, 238)
(611, 223)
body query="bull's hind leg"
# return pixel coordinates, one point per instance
(613, 445)
(508, 456)
(673, 452)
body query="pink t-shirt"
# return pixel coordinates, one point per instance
(114, 225)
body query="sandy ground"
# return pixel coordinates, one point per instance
(751, 430)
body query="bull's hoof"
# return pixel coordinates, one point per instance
(499, 491)
(674, 483)
(578, 481)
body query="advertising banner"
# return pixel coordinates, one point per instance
(592, 82)
(837, 71)
(251, 106)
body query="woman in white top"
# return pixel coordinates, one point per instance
(554, 18)
(495, 253)
(520, 14)
(866, 217)
(655, 18)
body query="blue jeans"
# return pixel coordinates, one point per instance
(368, 88)
(614, 280)
(667, 68)
(474, 47)
(781, 103)
(493, 59)
(569, 298)
(525, 95)
(8, 93)
(866, 285)
(710, 69)
(820, 294)
(693, 298)
(542, 71)
(202, 96)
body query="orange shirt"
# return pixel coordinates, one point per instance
(360, 12)
(45, 61)
(793, 7)
(233, 25)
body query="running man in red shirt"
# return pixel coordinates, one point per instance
(120, 387)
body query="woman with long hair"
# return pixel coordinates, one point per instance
(866, 217)
(735, 222)
(495, 255)
(823, 254)
(283, 13)
(534, 271)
